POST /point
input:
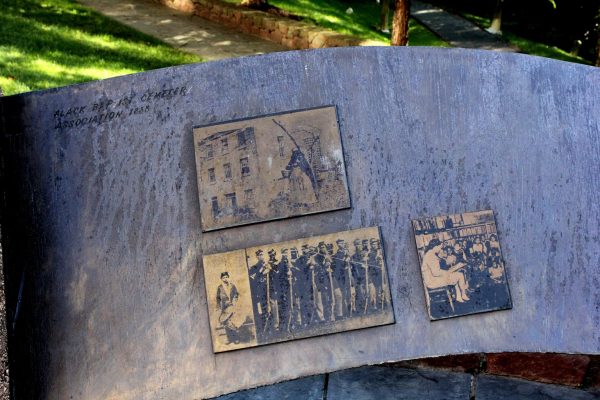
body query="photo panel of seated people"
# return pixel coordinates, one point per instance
(461, 264)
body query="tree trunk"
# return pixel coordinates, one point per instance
(496, 26)
(598, 51)
(598, 38)
(400, 23)
(385, 12)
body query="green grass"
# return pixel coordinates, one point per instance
(528, 46)
(362, 22)
(49, 43)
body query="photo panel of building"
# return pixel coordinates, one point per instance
(297, 289)
(269, 168)
(462, 267)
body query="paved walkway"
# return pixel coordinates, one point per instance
(212, 41)
(456, 30)
(189, 33)
(382, 383)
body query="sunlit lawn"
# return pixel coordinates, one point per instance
(49, 43)
(362, 22)
(365, 17)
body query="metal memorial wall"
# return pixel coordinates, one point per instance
(197, 230)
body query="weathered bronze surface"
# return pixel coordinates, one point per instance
(296, 289)
(270, 167)
(103, 247)
(461, 264)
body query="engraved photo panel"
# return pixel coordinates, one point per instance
(296, 289)
(270, 167)
(461, 264)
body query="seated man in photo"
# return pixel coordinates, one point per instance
(435, 277)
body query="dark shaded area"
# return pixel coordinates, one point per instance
(575, 370)
(398, 383)
(4, 372)
(471, 363)
(489, 296)
(494, 387)
(22, 244)
(567, 370)
(271, 9)
(538, 20)
(592, 374)
(458, 31)
(310, 388)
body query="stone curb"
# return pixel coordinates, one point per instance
(292, 34)
(575, 370)
(380, 382)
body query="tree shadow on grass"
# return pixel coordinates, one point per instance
(48, 46)
(332, 14)
(67, 13)
(364, 20)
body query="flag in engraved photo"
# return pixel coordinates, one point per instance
(270, 167)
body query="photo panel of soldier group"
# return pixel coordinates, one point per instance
(461, 264)
(297, 289)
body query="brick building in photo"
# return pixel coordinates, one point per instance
(229, 167)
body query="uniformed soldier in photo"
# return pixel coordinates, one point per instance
(258, 288)
(360, 276)
(342, 281)
(285, 298)
(365, 246)
(272, 272)
(377, 277)
(329, 248)
(305, 286)
(296, 314)
(323, 283)
(369, 286)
